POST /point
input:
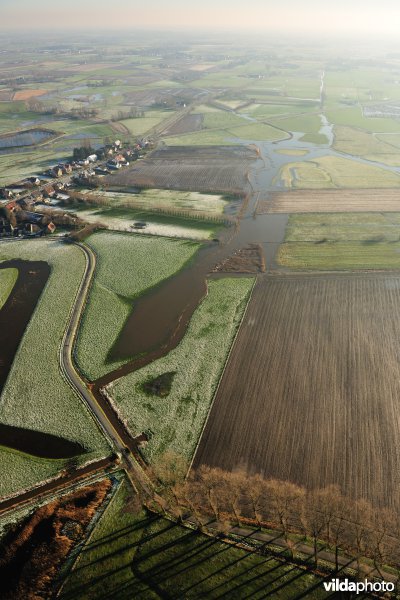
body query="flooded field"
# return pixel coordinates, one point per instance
(13, 142)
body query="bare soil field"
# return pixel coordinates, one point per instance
(187, 124)
(311, 390)
(221, 169)
(320, 201)
(25, 94)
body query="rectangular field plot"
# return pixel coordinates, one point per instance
(321, 201)
(220, 169)
(311, 392)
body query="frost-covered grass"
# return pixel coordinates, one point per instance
(177, 420)
(123, 219)
(165, 199)
(8, 277)
(35, 395)
(21, 471)
(127, 266)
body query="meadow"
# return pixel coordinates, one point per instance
(134, 554)
(127, 266)
(341, 241)
(197, 362)
(331, 201)
(336, 172)
(35, 395)
(369, 146)
(8, 277)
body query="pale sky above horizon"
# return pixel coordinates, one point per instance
(294, 16)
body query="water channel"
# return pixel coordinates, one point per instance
(160, 317)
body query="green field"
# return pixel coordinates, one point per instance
(8, 277)
(139, 126)
(336, 172)
(35, 395)
(177, 419)
(157, 224)
(127, 265)
(167, 200)
(142, 556)
(208, 137)
(360, 143)
(353, 117)
(341, 241)
(309, 125)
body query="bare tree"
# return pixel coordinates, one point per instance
(232, 492)
(255, 492)
(211, 478)
(287, 504)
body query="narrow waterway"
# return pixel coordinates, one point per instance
(160, 317)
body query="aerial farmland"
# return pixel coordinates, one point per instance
(201, 244)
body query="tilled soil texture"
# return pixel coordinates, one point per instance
(311, 390)
(185, 125)
(221, 169)
(325, 201)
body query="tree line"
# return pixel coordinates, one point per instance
(322, 518)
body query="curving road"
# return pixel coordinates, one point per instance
(99, 407)
(104, 415)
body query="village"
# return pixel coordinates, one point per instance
(28, 208)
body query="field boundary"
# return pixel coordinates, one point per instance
(222, 373)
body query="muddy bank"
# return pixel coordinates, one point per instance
(160, 317)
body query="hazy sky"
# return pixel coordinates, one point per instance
(300, 16)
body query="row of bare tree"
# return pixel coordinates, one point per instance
(322, 518)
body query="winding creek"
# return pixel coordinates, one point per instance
(160, 317)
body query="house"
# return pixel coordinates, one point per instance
(92, 158)
(56, 172)
(12, 206)
(48, 191)
(4, 193)
(32, 180)
(113, 165)
(65, 169)
(25, 203)
(101, 171)
(37, 196)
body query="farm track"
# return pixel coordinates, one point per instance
(310, 392)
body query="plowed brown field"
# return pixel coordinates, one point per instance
(25, 94)
(201, 169)
(311, 392)
(321, 201)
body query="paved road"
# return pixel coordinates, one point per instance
(103, 413)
